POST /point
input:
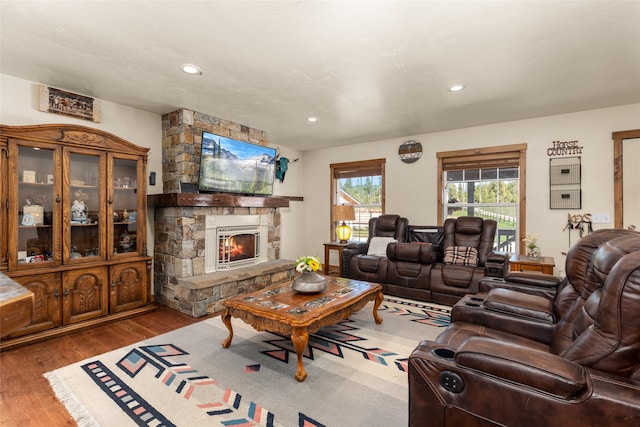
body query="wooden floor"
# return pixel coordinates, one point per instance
(25, 396)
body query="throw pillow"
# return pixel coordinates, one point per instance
(461, 255)
(378, 245)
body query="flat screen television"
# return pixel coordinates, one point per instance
(231, 166)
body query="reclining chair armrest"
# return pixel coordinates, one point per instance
(524, 315)
(534, 279)
(353, 248)
(544, 285)
(523, 365)
(520, 304)
(497, 264)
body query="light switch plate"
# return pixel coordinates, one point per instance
(601, 218)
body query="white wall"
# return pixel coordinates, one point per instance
(292, 218)
(411, 188)
(18, 106)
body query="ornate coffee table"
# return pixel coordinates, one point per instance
(280, 309)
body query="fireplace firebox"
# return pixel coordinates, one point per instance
(237, 246)
(235, 241)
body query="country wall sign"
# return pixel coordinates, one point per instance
(564, 148)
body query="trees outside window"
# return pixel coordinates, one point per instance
(361, 185)
(489, 183)
(490, 193)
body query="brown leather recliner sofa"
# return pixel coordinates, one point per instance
(583, 370)
(445, 274)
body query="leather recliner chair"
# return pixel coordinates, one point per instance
(451, 281)
(356, 264)
(577, 263)
(587, 372)
(526, 313)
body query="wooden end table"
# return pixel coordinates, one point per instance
(543, 264)
(280, 309)
(333, 246)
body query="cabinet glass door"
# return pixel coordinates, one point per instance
(124, 206)
(85, 208)
(36, 205)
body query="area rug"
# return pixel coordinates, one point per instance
(356, 374)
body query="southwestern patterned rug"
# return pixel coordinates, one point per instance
(356, 375)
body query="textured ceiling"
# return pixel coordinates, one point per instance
(367, 70)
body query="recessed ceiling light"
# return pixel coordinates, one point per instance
(456, 88)
(312, 119)
(191, 69)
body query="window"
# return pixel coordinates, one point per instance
(486, 182)
(361, 185)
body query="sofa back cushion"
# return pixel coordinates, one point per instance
(471, 231)
(389, 225)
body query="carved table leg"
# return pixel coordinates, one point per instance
(226, 318)
(299, 338)
(379, 298)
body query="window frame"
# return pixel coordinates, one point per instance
(353, 170)
(487, 157)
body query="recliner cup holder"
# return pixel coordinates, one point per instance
(476, 299)
(472, 304)
(444, 353)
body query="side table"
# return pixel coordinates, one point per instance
(543, 264)
(333, 246)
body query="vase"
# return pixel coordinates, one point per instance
(533, 252)
(78, 211)
(309, 282)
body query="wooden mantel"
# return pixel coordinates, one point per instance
(218, 200)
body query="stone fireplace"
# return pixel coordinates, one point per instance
(209, 247)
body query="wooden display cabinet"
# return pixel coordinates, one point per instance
(74, 228)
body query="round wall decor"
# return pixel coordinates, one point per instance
(410, 151)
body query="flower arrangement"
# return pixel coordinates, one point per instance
(307, 263)
(531, 240)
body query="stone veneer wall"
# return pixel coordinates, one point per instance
(180, 281)
(182, 144)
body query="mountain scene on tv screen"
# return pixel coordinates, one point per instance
(233, 166)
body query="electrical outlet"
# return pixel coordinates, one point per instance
(601, 218)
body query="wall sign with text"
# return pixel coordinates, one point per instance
(564, 148)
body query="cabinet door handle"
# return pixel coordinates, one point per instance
(65, 292)
(110, 200)
(58, 198)
(56, 294)
(113, 284)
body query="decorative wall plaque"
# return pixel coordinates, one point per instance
(410, 151)
(71, 104)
